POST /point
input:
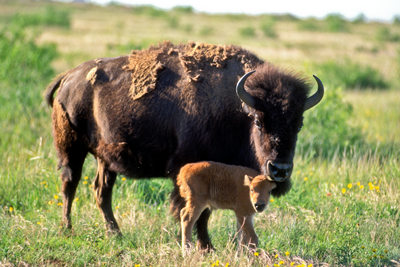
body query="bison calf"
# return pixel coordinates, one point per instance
(220, 186)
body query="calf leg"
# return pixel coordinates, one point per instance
(189, 215)
(203, 239)
(247, 235)
(103, 185)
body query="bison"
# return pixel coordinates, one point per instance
(215, 185)
(149, 113)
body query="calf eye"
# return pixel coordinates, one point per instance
(251, 190)
(258, 124)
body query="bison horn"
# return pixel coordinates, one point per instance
(315, 98)
(241, 92)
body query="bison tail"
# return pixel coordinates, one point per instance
(177, 203)
(52, 87)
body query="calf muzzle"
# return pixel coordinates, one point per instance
(259, 206)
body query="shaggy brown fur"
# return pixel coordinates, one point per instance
(64, 135)
(220, 186)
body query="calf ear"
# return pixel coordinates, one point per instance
(247, 180)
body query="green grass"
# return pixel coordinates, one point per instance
(343, 209)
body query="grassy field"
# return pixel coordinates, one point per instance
(343, 209)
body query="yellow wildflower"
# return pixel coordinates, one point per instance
(358, 184)
(11, 209)
(227, 264)
(56, 196)
(256, 254)
(271, 200)
(344, 190)
(59, 204)
(361, 187)
(350, 186)
(305, 178)
(123, 179)
(287, 253)
(371, 187)
(86, 178)
(276, 256)
(84, 182)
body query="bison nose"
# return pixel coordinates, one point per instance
(259, 207)
(279, 172)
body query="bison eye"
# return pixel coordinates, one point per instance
(258, 124)
(301, 126)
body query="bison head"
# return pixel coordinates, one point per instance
(275, 102)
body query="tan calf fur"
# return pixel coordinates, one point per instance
(219, 186)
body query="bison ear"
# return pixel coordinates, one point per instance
(273, 186)
(247, 180)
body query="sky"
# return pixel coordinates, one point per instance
(380, 10)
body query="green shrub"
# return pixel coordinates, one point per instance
(183, 9)
(310, 24)
(361, 18)
(50, 17)
(247, 32)
(149, 10)
(187, 28)
(336, 23)
(327, 130)
(173, 22)
(206, 31)
(351, 75)
(384, 35)
(396, 20)
(268, 28)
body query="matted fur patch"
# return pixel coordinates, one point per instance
(196, 59)
(145, 66)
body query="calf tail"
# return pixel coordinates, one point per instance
(52, 87)
(177, 203)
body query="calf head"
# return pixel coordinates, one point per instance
(275, 101)
(260, 191)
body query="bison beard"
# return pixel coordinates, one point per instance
(148, 114)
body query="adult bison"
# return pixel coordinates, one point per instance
(148, 114)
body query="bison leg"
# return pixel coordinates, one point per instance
(103, 185)
(203, 239)
(72, 150)
(70, 178)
